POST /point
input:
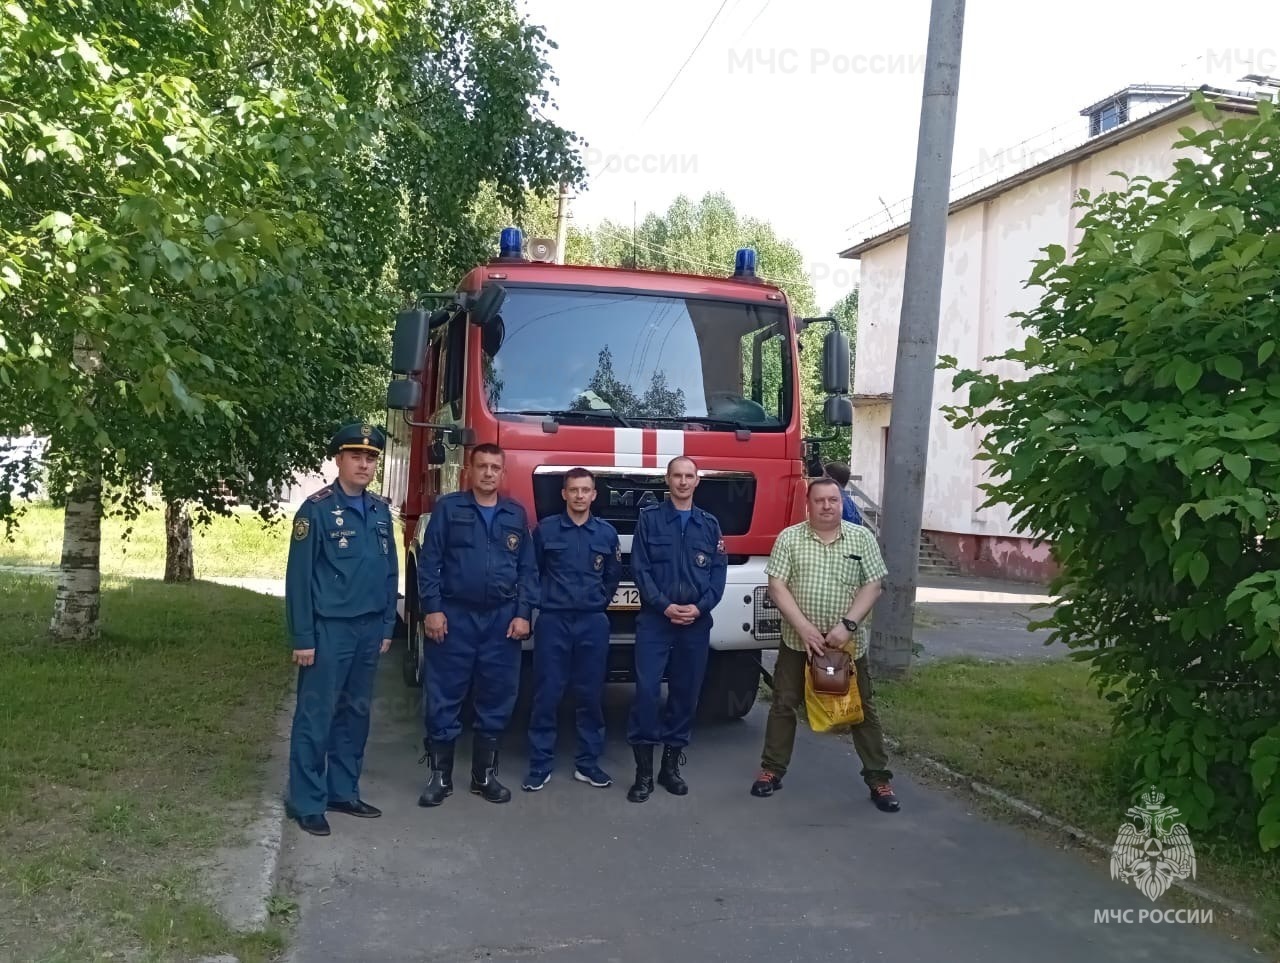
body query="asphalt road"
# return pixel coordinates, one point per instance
(574, 873)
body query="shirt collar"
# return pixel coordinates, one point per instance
(811, 532)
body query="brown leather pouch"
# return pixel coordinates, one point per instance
(831, 672)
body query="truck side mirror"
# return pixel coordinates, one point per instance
(837, 411)
(409, 344)
(404, 395)
(835, 363)
(487, 304)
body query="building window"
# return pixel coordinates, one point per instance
(1109, 115)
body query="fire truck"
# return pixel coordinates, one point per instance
(618, 371)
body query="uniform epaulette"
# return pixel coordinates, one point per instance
(379, 498)
(322, 494)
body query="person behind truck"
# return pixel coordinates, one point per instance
(340, 590)
(478, 585)
(825, 575)
(840, 473)
(580, 561)
(680, 567)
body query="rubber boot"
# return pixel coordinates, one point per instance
(643, 786)
(484, 769)
(440, 785)
(669, 774)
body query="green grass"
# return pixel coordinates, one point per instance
(123, 764)
(1040, 732)
(240, 546)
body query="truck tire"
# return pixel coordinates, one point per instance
(730, 687)
(411, 664)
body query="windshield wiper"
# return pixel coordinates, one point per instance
(700, 420)
(594, 413)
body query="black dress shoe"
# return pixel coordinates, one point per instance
(357, 807)
(315, 825)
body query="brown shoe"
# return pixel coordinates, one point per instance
(882, 795)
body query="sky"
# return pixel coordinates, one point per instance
(806, 112)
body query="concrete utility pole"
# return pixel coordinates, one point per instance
(562, 222)
(892, 627)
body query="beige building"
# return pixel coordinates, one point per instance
(994, 233)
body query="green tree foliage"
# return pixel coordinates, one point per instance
(481, 84)
(203, 219)
(1145, 444)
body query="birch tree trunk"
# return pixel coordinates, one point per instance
(178, 563)
(75, 607)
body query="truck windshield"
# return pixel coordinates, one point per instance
(627, 358)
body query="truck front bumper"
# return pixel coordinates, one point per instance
(744, 619)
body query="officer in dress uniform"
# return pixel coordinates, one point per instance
(341, 587)
(680, 567)
(580, 558)
(478, 585)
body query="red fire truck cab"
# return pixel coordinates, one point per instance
(617, 371)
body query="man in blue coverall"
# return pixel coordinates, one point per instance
(580, 560)
(478, 585)
(341, 587)
(840, 474)
(680, 568)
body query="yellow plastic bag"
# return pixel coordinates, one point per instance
(829, 711)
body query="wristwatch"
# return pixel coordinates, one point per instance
(849, 624)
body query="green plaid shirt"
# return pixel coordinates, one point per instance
(824, 578)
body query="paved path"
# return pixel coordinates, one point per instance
(984, 618)
(580, 874)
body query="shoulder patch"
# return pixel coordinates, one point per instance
(322, 494)
(720, 547)
(301, 529)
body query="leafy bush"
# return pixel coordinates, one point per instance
(1144, 443)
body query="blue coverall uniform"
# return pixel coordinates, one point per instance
(673, 564)
(849, 509)
(481, 577)
(341, 586)
(581, 566)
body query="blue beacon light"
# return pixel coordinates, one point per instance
(744, 263)
(510, 244)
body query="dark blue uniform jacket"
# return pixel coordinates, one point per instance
(462, 562)
(674, 567)
(340, 565)
(581, 566)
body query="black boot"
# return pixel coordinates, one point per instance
(484, 769)
(643, 786)
(669, 774)
(440, 785)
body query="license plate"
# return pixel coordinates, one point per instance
(627, 597)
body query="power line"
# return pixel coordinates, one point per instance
(714, 18)
(755, 18)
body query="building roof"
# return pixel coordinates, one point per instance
(1140, 90)
(1223, 99)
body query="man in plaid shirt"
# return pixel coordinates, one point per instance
(824, 576)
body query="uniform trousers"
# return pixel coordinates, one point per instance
(476, 651)
(680, 652)
(570, 650)
(331, 718)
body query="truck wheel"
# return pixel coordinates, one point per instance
(730, 687)
(411, 664)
